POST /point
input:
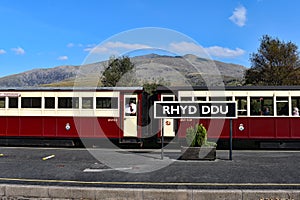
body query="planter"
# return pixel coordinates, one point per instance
(198, 153)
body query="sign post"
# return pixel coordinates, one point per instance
(230, 140)
(196, 110)
(162, 145)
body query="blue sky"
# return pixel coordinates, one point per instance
(49, 33)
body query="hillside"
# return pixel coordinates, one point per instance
(176, 71)
(39, 76)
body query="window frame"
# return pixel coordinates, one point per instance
(86, 99)
(107, 103)
(2, 102)
(69, 104)
(45, 103)
(239, 103)
(31, 102)
(16, 102)
(262, 106)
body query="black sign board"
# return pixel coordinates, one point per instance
(187, 109)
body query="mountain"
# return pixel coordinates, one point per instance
(37, 77)
(176, 71)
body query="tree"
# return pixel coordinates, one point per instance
(151, 86)
(275, 63)
(117, 69)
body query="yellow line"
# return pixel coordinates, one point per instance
(149, 183)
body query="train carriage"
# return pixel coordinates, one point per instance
(267, 116)
(70, 113)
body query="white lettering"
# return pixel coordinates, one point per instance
(224, 112)
(192, 110)
(183, 108)
(205, 110)
(166, 110)
(175, 110)
(214, 110)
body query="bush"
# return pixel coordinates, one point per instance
(197, 136)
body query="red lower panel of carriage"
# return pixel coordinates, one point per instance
(248, 128)
(60, 127)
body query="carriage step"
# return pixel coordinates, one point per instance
(280, 145)
(37, 142)
(168, 140)
(130, 141)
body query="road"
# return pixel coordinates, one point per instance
(145, 169)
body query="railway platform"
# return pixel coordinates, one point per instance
(70, 173)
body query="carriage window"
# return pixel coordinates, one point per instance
(107, 102)
(282, 105)
(261, 106)
(167, 98)
(13, 102)
(2, 102)
(31, 102)
(130, 106)
(68, 102)
(295, 104)
(186, 98)
(242, 105)
(87, 102)
(200, 98)
(49, 102)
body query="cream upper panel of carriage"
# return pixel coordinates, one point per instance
(279, 93)
(84, 94)
(52, 103)
(259, 103)
(237, 93)
(196, 95)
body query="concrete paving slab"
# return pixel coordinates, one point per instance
(71, 192)
(167, 194)
(271, 194)
(106, 193)
(2, 190)
(217, 194)
(26, 191)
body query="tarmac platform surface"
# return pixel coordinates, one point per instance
(255, 172)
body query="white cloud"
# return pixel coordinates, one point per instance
(2, 51)
(70, 45)
(215, 51)
(18, 50)
(183, 48)
(222, 52)
(114, 47)
(239, 16)
(126, 45)
(180, 48)
(62, 58)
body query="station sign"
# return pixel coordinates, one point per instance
(188, 109)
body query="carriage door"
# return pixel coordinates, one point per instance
(168, 127)
(130, 116)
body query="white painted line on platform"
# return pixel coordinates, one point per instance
(104, 170)
(48, 157)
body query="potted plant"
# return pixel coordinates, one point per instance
(198, 147)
